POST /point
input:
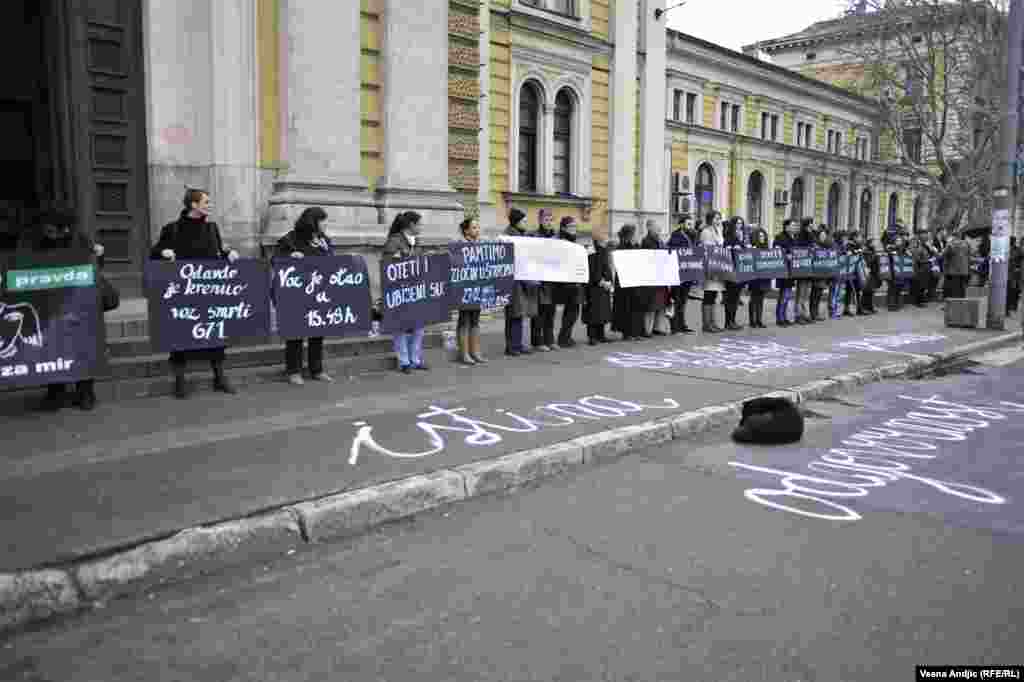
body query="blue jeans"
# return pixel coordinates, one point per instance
(782, 305)
(409, 348)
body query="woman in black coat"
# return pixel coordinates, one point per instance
(597, 307)
(733, 240)
(306, 239)
(629, 305)
(194, 236)
(59, 231)
(758, 287)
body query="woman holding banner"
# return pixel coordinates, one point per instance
(711, 235)
(805, 239)
(732, 238)
(682, 238)
(194, 236)
(401, 243)
(629, 301)
(785, 241)
(468, 327)
(597, 307)
(656, 298)
(306, 239)
(567, 294)
(758, 287)
(59, 231)
(524, 297)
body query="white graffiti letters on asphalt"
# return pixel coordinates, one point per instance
(479, 431)
(875, 457)
(731, 354)
(885, 344)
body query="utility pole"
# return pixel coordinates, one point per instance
(1003, 192)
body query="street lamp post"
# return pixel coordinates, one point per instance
(1002, 194)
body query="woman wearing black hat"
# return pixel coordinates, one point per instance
(59, 231)
(524, 297)
(194, 236)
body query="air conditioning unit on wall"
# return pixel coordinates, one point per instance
(781, 197)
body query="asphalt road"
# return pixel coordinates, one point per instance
(658, 566)
(77, 484)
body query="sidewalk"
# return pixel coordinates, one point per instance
(79, 490)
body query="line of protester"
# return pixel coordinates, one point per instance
(635, 313)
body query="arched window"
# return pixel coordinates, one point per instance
(796, 200)
(529, 118)
(917, 214)
(563, 142)
(832, 211)
(704, 190)
(865, 213)
(894, 209)
(755, 198)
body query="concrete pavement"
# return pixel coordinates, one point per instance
(176, 465)
(652, 567)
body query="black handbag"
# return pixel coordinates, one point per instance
(109, 295)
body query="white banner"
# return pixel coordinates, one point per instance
(549, 260)
(647, 268)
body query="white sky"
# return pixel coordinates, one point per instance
(735, 23)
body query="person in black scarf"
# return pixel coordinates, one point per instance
(758, 287)
(733, 240)
(194, 236)
(524, 297)
(628, 311)
(306, 239)
(786, 240)
(59, 231)
(542, 327)
(597, 311)
(567, 294)
(682, 238)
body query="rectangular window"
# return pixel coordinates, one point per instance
(735, 118)
(724, 117)
(561, 6)
(677, 97)
(691, 107)
(808, 135)
(799, 134)
(829, 144)
(764, 125)
(775, 127)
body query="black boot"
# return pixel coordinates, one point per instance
(180, 385)
(220, 380)
(54, 399)
(86, 397)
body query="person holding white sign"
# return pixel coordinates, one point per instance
(542, 327)
(655, 321)
(682, 238)
(628, 313)
(567, 294)
(524, 297)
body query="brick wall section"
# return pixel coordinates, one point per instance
(464, 90)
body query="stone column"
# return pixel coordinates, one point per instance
(321, 89)
(622, 200)
(201, 111)
(653, 200)
(415, 115)
(546, 158)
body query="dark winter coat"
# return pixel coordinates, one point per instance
(567, 293)
(524, 295)
(655, 297)
(785, 242)
(190, 238)
(317, 244)
(597, 306)
(546, 290)
(759, 240)
(956, 260)
(628, 301)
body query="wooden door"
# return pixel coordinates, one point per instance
(107, 83)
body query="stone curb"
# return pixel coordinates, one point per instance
(36, 595)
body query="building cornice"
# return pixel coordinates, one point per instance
(689, 47)
(542, 57)
(558, 31)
